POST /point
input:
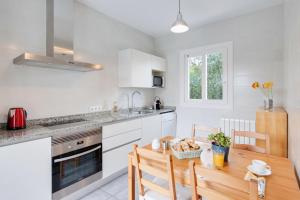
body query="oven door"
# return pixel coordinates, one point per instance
(72, 167)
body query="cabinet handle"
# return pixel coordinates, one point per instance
(77, 155)
(121, 145)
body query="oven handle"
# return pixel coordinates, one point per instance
(77, 155)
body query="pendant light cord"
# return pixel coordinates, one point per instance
(179, 11)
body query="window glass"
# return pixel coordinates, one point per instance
(208, 76)
(195, 66)
(214, 76)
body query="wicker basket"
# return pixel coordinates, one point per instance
(186, 154)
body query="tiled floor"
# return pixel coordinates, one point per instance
(115, 190)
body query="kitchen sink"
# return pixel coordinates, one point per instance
(136, 113)
(142, 112)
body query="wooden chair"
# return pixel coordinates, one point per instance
(215, 184)
(204, 129)
(250, 147)
(163, 170)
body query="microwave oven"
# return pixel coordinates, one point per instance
(158, 81)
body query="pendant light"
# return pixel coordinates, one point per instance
(179, 26)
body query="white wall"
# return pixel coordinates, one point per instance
(258, 56)
(47, 92)
(292, 74)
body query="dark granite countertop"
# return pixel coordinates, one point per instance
(36, 129)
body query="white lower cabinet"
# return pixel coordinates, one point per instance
(118, 139)
(151, 128)
(25, 171)
(117, 142)
(116, 159)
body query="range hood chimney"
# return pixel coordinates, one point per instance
(56, 57)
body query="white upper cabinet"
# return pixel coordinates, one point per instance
(158, 63)
(135, 68)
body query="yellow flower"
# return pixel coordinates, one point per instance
(255, 85)
(268, 85)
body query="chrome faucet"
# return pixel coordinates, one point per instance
(127, 95)
(132, 98)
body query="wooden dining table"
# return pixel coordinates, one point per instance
(280, 185)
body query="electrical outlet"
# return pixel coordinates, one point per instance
(95, 108)
(98, 108)
(92, 108)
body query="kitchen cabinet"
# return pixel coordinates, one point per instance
(25, 171)
(169, 124)
(151, 128)
(118, 139)
(275, 124)
(117, 142)
(158, 63)
(116, 159)
(135, 68)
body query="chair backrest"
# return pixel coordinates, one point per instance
(215, 184)
(164, 171)
(250, 147)
(200, 128)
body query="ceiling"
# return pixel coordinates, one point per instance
(154, 17)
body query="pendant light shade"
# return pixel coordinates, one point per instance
(179, 26)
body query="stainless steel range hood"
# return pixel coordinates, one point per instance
(56, 57)
(56, 63)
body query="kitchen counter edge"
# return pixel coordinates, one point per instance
(36, 132)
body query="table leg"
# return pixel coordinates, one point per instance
(131, 180)
(253, 190)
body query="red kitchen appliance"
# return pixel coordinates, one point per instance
(16, 118)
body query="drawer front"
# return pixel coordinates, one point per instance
(116, 160)
(120, 140)
(169, 116)
(122, 127)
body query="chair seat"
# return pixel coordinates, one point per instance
(182, 193)
(231, 193)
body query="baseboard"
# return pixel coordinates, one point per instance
(94, 186)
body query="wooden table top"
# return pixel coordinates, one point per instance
(282, 184)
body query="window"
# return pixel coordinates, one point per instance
(208, 76)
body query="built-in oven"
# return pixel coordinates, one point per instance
(76, 161)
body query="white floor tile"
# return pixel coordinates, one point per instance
(116, 186)
(114, 198)
(115, 190)
(123, 195)
(97, 195)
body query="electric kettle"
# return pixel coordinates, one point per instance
(16, 118)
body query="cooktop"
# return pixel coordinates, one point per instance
(62, 122)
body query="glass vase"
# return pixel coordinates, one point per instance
(268, 103)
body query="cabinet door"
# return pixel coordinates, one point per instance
(25, 171)
(141, 71)
(116, 159)
(121, 128)
(169, 128)
(151, 128)
(158, 63)
(274, 123)
(135, 68)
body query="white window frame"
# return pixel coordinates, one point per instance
(227, 102)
